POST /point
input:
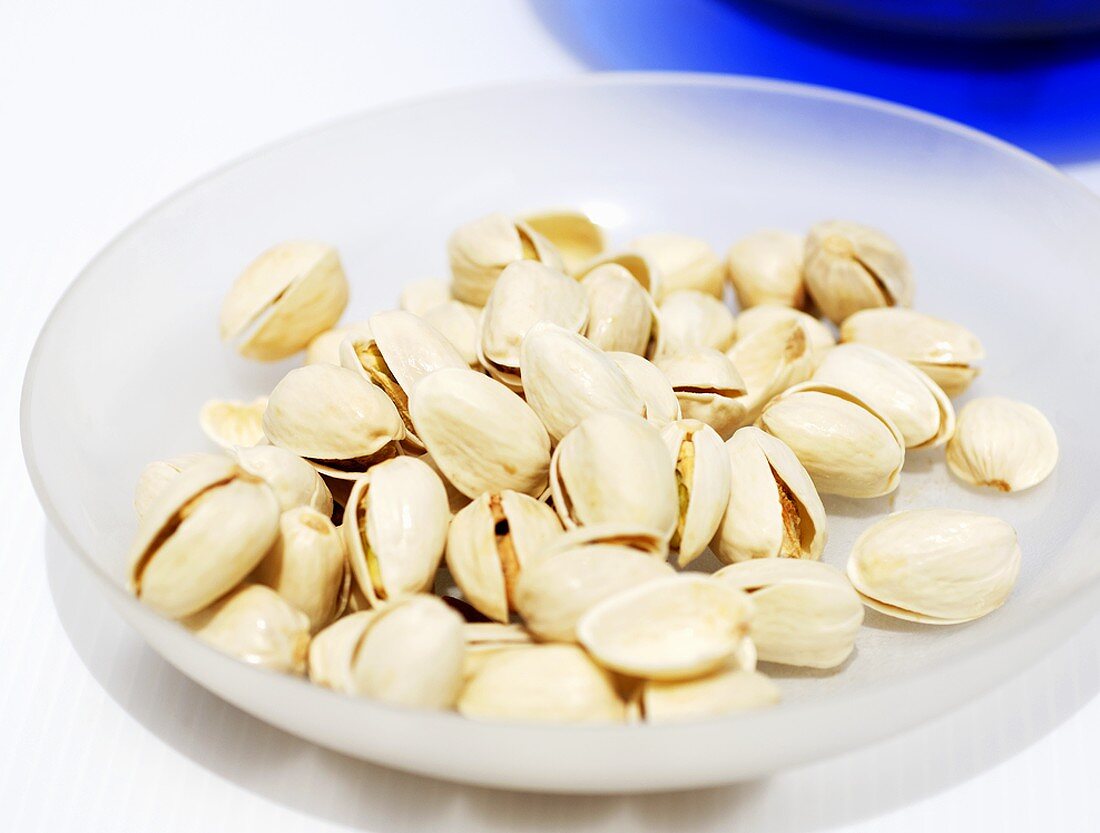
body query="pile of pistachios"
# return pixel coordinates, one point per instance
(486, 499)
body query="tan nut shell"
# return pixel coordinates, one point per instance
(644, 270)
(684, 262)
(284, 298)
(695, 319)
(487, 639)
(480, 250)
(766, 268)
(702, 481)
(653, 386)
(420, 296)
(764, 315)
(770, 360)
(156, 476)
(1002, 443)
(725, 692)
(621, 315)
(576, 237)
(294, 481)
(458, 323)
(708, 387)
(325, 347)
(230, 423)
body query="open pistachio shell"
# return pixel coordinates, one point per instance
(230, 423)
(644, 270)
(690, 318)
(1003, 444)
(158, 474)
(420, 296)
(766, 268)
(770, 360)
(725, 692)
(324, 348)
(459, 324)
(702, 483)
(487, 639)
(708, 387)
(653, 386)
(294, 481)
(621, 314)
(684, 262)
(576, 237)
(480, 250)
(764, 315)
(636, 536)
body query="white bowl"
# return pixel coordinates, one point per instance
(998, 240)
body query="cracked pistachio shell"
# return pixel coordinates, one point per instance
(543, 684)
(204, 533)
(307, 566)
(480, 250)
(420, 296)
(684, 262)
(774, 510)
(283, 299)
(690, 318)
(488, 639)
(636, 536)
(708, 387)
(325, 347)
(702, 484)
(668, 629)
(156, 476)
(944, 350)
(764, 315)
(726, 692)
(554, 593)
(566, 378)
(621, 315)
(847, 447)
(849, 267)
(334, 419)
(653, 386)
(766, 268)
(805, 612)
(526, 293)
(408, 652)
(935, 566)
(481, 435)
(894, 388)
(395, 528)
(458, 323)
(770, 360)
(492, 541)
(294, 481)
(645, 272)
(572, 233)
(1002, 443)
(614, 467)
(230, 423)
(257, 626)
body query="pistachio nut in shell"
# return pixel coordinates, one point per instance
(1002, 443)
(480, 434)
(728, 691)
(324, 348)
(690, 318)
(849, 267)
(567, 378)
(408, 652)
(256, 625)
(487, 639)
(158, 474)
(894, 388)
(638, 536)
(614, 467)
(702, 483)
(284, 298)
(805, 613)
(847, 447)
(935, 566)
(491, 542)
(770, 360)
(765, 267)
(644, 270)
(420, 296)
(333, 418)
(307, 566)
(668, 629)
(774, 511)
(480, 250)
(684, 262)
(621, 315)
(553, 594)
(459, 324)
(202, 534)
(653, 386)
(229, 423)
(763, 315)
(708, 387)
(395, 528)
(294, 481)
(573, 233)
(946, 351)
(544, 684)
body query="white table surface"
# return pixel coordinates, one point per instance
(106, 108)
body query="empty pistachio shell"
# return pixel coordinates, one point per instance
(283, 299)
(408, 652)
(684, 262)
(566, 378)
(492, 541)
(544, 683)
(668, 629)
(653, 386)
(774, 510)
(334, 418)
(487, 639)
(294, 481)
(481, 435)
(156, 476)
(204, 533)
(230, 423)
(554, 593)
(325, 347)
(695, 319)
(702, 484)
(946, 351)
(307, 566)
(771, 359)
(766, 268)
(420, 296)
(804, 612)
(850, 267)
(1002, 443)
(641, 267)
(847, 447)
(725, 692)
(936, 566)
(636, 536)
(480, 250)
(257, 626)
(572, 233)
(708, 387)
(621, 315)
(614, 467)
(763, 315)
(458, 323)
(395, 528)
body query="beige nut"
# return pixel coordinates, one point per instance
(766, 268)
(294, 481)
(621, 314)
(228, 423)
(644, 270)
(653, 386)
(156, 476)
(702, 483)
(459, 324)
(725, 692)
(420, 296)
(708, 387)
(690, 318)
(573, 233)
(771, 359)
(765, 315)
(324, 348)
(1001, 443)
(684, 262)
(480, 250)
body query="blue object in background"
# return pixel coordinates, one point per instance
(1042, 94)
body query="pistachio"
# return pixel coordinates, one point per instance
(324, 348)
(576, 237)
(653, 386)
(849, 267)
(621, 315)
(645, 272)
(690, 318)
(684, 262)
(638, 536)
(766, 268)
(935, 566)
(488, 639)
(1002, 443)
(725, 692)
(458, 323)
(420, 296)
(294, 481)
(702, 484)
(156, 476)
(480, 250)
(764, 315)
(283, 299)
(771, 359)
(708, 387)
(230, 423)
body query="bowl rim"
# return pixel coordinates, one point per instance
(1074, 609)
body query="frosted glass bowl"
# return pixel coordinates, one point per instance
(998, 240)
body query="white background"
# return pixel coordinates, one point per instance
(106, 108)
